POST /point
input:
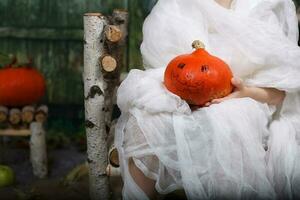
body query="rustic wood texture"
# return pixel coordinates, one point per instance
(94, 89)
(116, 50)
(14, 132)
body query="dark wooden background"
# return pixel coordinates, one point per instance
(50, 31)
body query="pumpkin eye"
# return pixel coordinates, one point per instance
(204, 68)
(181, 65)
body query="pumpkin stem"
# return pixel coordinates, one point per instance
(197, 44)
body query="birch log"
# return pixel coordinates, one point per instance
(27, 114)
(94, 87)
(38, 152)
(41, 113)
(116, 49)
(15, 116)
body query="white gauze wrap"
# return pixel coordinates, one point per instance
(216, 151)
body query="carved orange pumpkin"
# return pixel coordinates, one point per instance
(198, 77)
(20, 86)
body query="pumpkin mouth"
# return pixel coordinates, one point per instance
(185, 84)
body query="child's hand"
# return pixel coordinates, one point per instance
(271, 96)
(240, 91)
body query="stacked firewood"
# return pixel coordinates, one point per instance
(20, 118)
(28, 121)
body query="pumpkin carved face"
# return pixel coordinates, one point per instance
(198, 77)
(21, 86)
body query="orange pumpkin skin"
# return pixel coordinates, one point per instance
(198, 77)
(21, 86)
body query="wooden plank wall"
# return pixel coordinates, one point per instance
(50, 31)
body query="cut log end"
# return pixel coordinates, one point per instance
(28, 114)
(113, 33)
(113, 156)
(43, 108)
(93, 14)
(27, 117)
(3, 114)
(41, 114)
(108, 63)
(15, 116)
(3, 117)
(40, 117)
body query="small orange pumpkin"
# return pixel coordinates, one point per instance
(21, 86)
(198, 77)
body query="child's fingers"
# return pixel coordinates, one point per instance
(207, 104)
(237, 83)
(217, 101)
(220, 100)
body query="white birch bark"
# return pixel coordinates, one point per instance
(38, 152)
(94, 88)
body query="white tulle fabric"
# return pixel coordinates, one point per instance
(216, 152)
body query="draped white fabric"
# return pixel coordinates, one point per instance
(215, 152)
